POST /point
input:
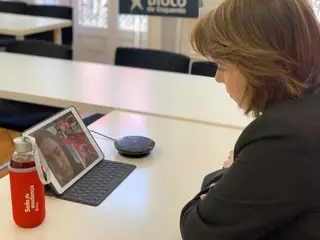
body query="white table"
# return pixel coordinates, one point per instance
(147, 204)
(21, 25)
(101, 88)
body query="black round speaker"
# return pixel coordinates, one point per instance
(134, 146)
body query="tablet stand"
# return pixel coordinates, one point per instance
(97, 184)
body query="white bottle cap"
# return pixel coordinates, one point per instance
(21, 145)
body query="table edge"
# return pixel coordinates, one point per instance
(23, 97)
(35, 30)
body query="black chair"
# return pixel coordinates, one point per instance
(204, 68)
(152, 59)
(63, 12)
(20, 116)
(10, 7)
(39, 48)
(13, 7)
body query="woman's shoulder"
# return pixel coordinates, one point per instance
(293, 121)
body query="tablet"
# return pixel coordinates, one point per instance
(67, 146)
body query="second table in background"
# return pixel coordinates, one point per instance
(19, 25)
(102, 88)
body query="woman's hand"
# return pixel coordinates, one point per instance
(229, 162)
(202, 196)
(226, 164)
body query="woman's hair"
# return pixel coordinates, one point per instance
(274, 43)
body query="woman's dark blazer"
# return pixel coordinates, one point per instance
(272, 190)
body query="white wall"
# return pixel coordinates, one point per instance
(166, 33)
(97, 42)
(211, 3)
(62, 2)
(66, 2)
(176, 31)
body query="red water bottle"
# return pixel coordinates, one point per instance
(27, 184)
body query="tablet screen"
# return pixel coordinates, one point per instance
(66, 148)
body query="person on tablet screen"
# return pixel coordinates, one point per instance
(89, 157)
(58, 157)
(267, 53)
(76, 142)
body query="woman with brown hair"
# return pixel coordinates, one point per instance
(268, 53)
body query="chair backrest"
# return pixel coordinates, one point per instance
(204, 68)
(152, 59)
(13, 7)
(39, 48)
(63, 12)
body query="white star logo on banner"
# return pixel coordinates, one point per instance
(136, 4)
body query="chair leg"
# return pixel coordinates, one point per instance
(3, 172)
(10, 136)
(4, 166)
